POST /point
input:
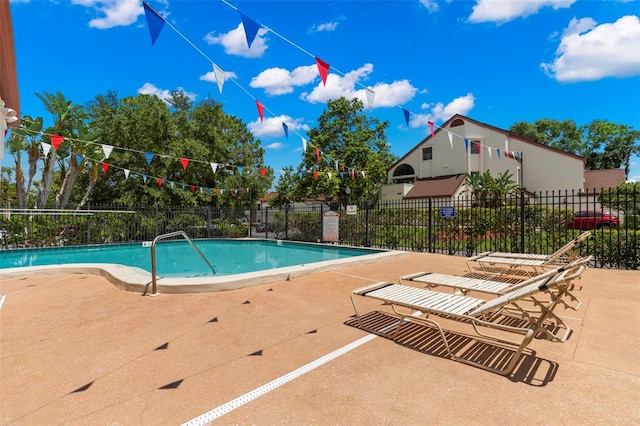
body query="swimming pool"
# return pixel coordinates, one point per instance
(237, 263)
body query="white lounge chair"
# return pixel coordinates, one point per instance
(492, 263)
(481, 314)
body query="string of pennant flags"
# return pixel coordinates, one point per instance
(251, 27)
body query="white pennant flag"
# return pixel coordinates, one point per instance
(171, 185)
(371, 95)
(126, 173)
(450, 139)
(362, 172)
(45, 148)
(214, 167)
(329, 174)
(489, 150)
(304, 144)
(282, 173)
(107, 150)
(220, 76)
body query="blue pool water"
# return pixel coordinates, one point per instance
(178, 259)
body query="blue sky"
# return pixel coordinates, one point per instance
(495, 61)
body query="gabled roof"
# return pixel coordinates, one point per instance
(507, 133)
(442, 186)
(603, 179)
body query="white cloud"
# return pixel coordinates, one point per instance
(328, 26)
(164, 94)
(441, 112)
(430, 5)
(501, 11)
(116, 12)
(279, 81)
(588, 51)
(235, 42)
(275, 146)
(272, 126)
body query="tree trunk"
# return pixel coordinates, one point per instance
(47, 180)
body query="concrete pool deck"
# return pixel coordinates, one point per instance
(77, 350)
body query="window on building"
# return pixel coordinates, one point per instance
(475, 147)
(427, 153)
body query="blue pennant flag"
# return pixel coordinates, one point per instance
(406, 115)
(239, 170)
(148, 156)
(498, 151)
(466, 144)
(286, 130)
(155, 22)
(78, 159)
(251, 28)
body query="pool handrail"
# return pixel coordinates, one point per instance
(154, 291)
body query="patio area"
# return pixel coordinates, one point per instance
(76, 350)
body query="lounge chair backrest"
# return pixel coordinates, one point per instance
(567, 248)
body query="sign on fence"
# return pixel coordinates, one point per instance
(447, 212)
(352, 209)
(330, 226)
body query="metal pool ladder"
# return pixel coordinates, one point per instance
(154, 291)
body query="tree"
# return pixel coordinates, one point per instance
(353, 153)
(24, 138)
(603, 144)
(489, 191)
(624, 197)
(202, 134)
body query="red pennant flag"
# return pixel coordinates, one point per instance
(323, 68)
(105, 167)
(315, 175)
(506, 154)
(263, 171)
(185, 162)
(215, 191)
(232, 191)
(342, 165)
(318, 155)
(353, 176)
(431, 127)
(159, 182)
(193, 188)
(260, 110)
(56, 140)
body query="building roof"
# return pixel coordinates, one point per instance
(595, 180)
(442, 186)
(8, 75)
(507, 133)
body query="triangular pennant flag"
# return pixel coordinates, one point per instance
(107, 150)
(283, 173)
(159, 180)
(240, 170)
(251, 28)
(498, 152)
(450, 139)
(406, 115)
(315, 175)
(144, 178)
(489, 151)
(105, 167)
(336, 163)
(317, 155)
(56, 140)
(323, 68)
(341, 175)
(193, 188)
(214, 167)
(184, 162)
(371, 95)
(263, 171)
(126, 173)
(220, 76)
(286, 130)
(78, 159)
(215, 191)
(362, 173)
(155, 22)
(260, 110)
(171, 183)
(353, 176)
(479, 146)
(329, 174)
(304, 144)
(430, 127)
(183, 186)
(328, 162)
(506, 154)
(466, 145)
(148, 156)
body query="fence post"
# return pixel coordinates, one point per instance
(286, 221)
(367, 239)
(522, 224)
(89, 222)
(430, 224)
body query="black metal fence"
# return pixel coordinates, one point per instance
(464, 226)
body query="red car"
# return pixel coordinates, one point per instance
(590, 219)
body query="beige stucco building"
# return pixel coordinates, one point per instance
(438, 165)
